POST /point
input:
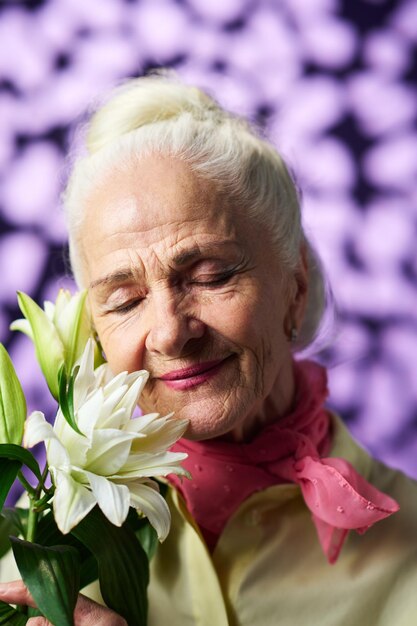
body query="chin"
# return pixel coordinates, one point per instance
(194, 433)
(201, 428)
(210, 413)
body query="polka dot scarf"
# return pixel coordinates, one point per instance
(294, 449)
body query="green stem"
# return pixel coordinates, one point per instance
(32, 522)
(31, 491)
(41, 486)
(44, 475)
(42, 504)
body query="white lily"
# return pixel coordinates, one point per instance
(59, 331)
(112, 462)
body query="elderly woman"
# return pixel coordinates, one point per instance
(185, 226)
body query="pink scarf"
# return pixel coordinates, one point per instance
(291, 450)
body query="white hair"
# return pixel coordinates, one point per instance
(160, 115)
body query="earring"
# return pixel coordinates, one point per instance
(293, 335)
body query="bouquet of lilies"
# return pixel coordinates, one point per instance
(95, 510)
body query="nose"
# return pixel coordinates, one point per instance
(171, 326)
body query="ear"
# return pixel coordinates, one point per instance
(298, 294)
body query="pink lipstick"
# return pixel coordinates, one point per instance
(192, 376)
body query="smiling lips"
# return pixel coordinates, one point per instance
(192, 376)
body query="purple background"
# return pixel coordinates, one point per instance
(333, 82)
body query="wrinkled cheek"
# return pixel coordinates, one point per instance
(150, 400)
(116, 358)
(122, 350)
(266, 355)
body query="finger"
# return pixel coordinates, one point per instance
(90, 613)
(16, 592)
(87, 612)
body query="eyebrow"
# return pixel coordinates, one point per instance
(188, 256)
(183, 257)
(119, 276)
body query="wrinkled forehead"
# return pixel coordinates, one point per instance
(153, 192)
(157, 205)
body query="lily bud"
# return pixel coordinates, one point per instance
(12, 402)
(60, 332)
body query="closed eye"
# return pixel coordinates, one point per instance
(214, 280)
(126, 307)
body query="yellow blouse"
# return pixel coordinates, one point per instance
(268, 568)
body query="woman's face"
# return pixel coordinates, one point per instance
(183, 285)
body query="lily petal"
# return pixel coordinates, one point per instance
(72, 501)
(49, 308)
(111, 404)
(23, 326)
(136, 382)
(88, 413)
(162, 434)
(146, 465)
(141, 423)
(113, 499)
(153, 506)
(76, 445)
(61, 302)
(103, 375)
(116, 420)
(109, 450)
(37, 429)
(85, 377)
(113, 383)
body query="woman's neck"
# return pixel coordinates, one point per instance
(278, 403)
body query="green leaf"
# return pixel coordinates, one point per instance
(66, 398)
(148, 538)
(123, 567)
(52, 575)
(89, 571)
(48, 345)
(6, 528)
(9, 616)
(12, 402)
(17, 453)
(144, 531)
(8, 473)
(18, 518)
(70, 397)
(48, 534)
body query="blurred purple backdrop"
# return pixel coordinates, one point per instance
(333, 82)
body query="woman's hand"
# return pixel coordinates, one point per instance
(87, 612)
